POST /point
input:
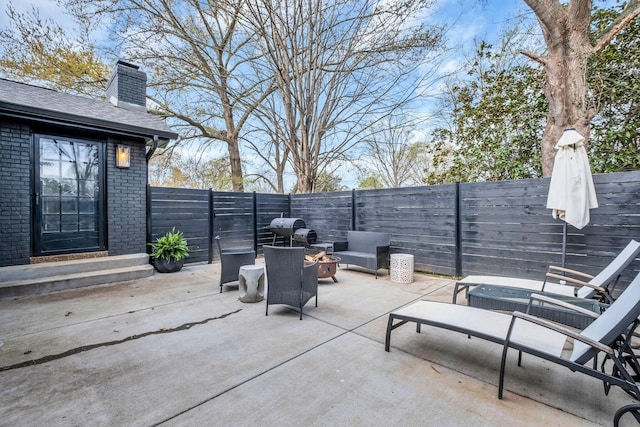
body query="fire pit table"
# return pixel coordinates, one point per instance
(327, 267)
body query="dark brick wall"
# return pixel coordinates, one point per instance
(128, 84)
(15, 181)
(126, 201)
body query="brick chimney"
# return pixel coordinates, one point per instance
(127, 87)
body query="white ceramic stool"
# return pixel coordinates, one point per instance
(251, 283)
(402, 268)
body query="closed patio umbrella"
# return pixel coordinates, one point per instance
(571, 190)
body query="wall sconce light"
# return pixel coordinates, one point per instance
(123, 156)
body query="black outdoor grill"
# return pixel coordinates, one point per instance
(294, 229)
(306, 236)
(286, 227)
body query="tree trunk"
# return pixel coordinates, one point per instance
(566, 92)
(303, 166)
(566, 32)
(236, 166)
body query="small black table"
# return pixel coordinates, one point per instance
(505, 298)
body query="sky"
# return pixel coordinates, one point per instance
(472, 19)
(48, 9)
(469, 20)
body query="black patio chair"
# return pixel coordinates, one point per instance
(232, 259)
(289, 280)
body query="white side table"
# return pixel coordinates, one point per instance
(251, 283)
(402, 268)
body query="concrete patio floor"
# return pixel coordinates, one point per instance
(171, 350)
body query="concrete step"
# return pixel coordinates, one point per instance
(57, 276)
(58, 268)
(42, 285)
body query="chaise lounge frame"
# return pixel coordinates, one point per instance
(610, 333)
(600, 286)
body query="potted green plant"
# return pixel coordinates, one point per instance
(169, 251)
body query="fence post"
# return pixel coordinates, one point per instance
(353, 209)
(458, 233)
(211, 229)
(255, 222)
(149, 212)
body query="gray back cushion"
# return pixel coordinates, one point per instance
(366, 241)
(611, 324)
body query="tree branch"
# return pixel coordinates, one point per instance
(630, 12)
(534, 56)
(550, 13)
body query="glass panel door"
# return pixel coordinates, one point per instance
(69, 201)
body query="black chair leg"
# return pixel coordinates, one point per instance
(633, 408)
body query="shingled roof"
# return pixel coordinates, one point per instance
(46, 105)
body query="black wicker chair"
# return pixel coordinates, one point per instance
(232, 259)
(289, 280)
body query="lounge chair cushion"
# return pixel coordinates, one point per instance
(603, 279)
(485, 324)
(611, 323)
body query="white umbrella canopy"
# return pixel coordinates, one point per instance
(571, 190)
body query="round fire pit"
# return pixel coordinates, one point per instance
(327, 267)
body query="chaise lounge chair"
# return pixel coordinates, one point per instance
(610, 333)
(600, 285)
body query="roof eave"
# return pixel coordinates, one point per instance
(48, 116)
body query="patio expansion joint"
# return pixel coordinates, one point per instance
(266, 371)
(344, 332)
(84, 348)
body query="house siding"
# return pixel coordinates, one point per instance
(126, 201)
(15, 190)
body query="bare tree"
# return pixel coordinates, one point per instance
(267, 147)
(199, 54)
(391, 155)
(338, 67)
(567, 34)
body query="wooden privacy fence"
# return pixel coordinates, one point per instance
(458, 229)
(240, 219)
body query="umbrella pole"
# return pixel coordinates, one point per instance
(564, 245)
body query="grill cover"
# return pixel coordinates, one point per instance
(286, 226)
(305, 236)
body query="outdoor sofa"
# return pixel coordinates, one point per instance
(368, 249)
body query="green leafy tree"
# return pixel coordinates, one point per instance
(614, 76)
(325, 183)
(497, 121)
(498, 115)
(571, 41)
(42, 52)
(369, 182)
